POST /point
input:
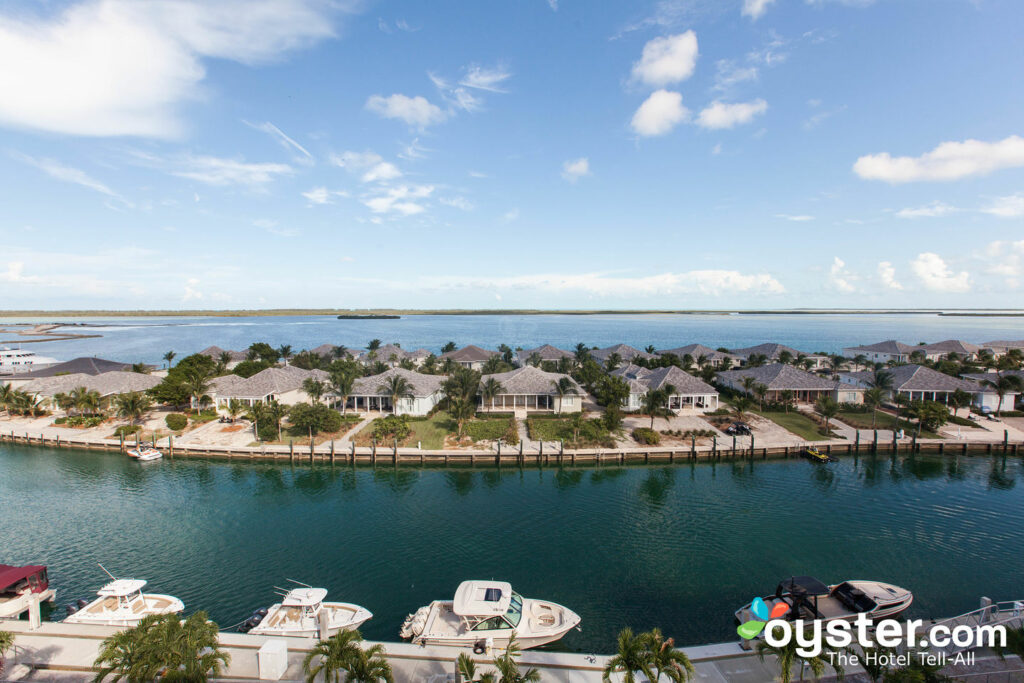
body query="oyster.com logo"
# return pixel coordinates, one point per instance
(762, 615)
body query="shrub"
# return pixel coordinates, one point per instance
(127, 430)
(645, 436)
(391, 427)
(60, 420)
(718, 412)
(316, 418)
(266, 430)
(176, 422)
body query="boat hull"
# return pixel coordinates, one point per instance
(93, 613)
(345, 617)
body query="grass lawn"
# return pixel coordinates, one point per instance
(488, 428)
(795, 422)
(432, 432)
(560, 429)
(301, 438)
(883, 420)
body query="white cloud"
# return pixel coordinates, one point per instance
(839, 277)
(403, 200)
(1006, 207)
(722, 115)
(948, 161)
(1005, 259)
(668, 59)
(318, 195)
(575, 169)
(300, 153)
(369, 164)
(799, 218)
(192, 290)
(218, 171)
(69, 174)
(934, 274)
(381, 172)
(755, 8)
(416, 111)
(16, 274)
(123, 68)
(887, 274)
(660, 113)
(483, 78)
(457, 203)
(510, 216)
(717, 149)
(728, 74)
(934, 210)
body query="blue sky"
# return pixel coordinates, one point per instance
(569, 154)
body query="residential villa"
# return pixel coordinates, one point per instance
(392, 354)
(531, 389)
(890, 351)
(989, 398)
(688, 392)
(1001, 348)
(626, 353)
(106, 384)
(547, 353)
(805, 386)
(282, 384)
(472, 357)
(76, 366)
(370, 393)
(918, 383)
(940, 350)
(711, 357)
(215, 352)
(775, 351)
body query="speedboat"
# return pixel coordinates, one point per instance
(144, 452)
(122, 603)
(809, 599)
(814, 455)
(20, 587)
(303, 613)
(485, 614)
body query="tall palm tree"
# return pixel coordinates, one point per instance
(534, 359)
(827, 407)
(396, 388)
(581, 353)
(666, 660)
(655, 404)
(169, 356)
(748, 384)
(490, 389)
(339, 352)
(460, 390)
(223, 360)
(85, 400)
(740, 405)
(761, 391)
(162, 644)
(314, 388)
(373, 345)
(197, 383)
(508, 667)
(631, 657)
(368, 665)
(492, 365)
(285, 351)
(60, 399)
(613, 361)
(873, 398)
(235, 408)
(786, 398)
(785, 357)
(467, 670)
(132, 405)
(1003, 385)
(6, 643)
(330, 657)
(563, 387)
(788, 656)
(7, 397)
(341, 382)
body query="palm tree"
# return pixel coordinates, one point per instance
(314, 388)
(508, 667)
(827, 407)
(460, 390)
(761, 391)
(958, 399)
(6, 643)
(169, 356)
(490, 390)
(447, 348)
(223, 359)
(786, 398)
(60, 399)
(85, 400)
(396, 388)
(613, 361)
(373, 345)
(492, 365)
(285, 351)
(197, 383)
(330, 657)
(534, 359)
(631, 657)
(748, 384)
(740, 405)
(576, 422)
(1003, 385)
(787, 656)
(341, 382)
(873, 398)
(339, 352)
(368, 666)
(132, 405)
(655, 404)
(860, 360)
(563, 387)
(581, 352)
(667, 661)
(235, 408)
(7, 397)
(785, 357)
(882, 379)
(467, 670)
(162, 644)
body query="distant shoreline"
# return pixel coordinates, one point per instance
(392, 313)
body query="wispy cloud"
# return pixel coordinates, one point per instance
(948, 161)
(69, 174)
(799, 218)
(299, 153)
(220, 171)
(934, 210)
(720, 115)
(415, 111)
(1011, 206)
(403, 200)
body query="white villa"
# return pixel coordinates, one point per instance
(805, 386)
(282, 384)
(472, 357)
(106, 384)
(918, 383)
(370, 393)
(547, 353)
(392, 354)
(774, 351)
(533, 390)
(688, 392)
(1001, 348)
(626, 353)
(882, 352)
(712, 357)
(941, 349)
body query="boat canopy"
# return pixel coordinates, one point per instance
(806, 585)
(120, 588)
(482, 598)
(304, 597)
(11, 576)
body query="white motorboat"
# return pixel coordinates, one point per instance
(809, 599)
(122, 603)
(143, 453)
(21, 587)
(18, 360)
(485, 614)
(303, 613)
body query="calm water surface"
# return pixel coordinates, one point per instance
(147, 339)
(677, 547)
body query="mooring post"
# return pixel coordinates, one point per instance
(1006, 440)
(714, 446)
(170, 445)
(693, 446)
(751, 445)
(353, 453)
(396, 451)
(332, 451)
(291, 451)
(856, 442)
(311, 447)
(874, 444)
(122, 441)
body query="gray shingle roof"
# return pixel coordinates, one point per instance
(631, 372)
(1003, 345)
(779, 377)
(105, 383)
(546, 352)
(950, 346)
(626, 353)
(684, 383)
(695, 351)
(531, 381)
(767, 349)
(215, 352)
(891, 346)
(919, 378)
(85, 366)
(422, 385)
(470, 354)
(277, 380)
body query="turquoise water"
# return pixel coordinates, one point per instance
(147, 339)
(677, 547)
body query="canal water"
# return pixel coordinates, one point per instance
(678, 547)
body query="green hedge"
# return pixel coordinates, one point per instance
(176, 422)
(127, 430)
(645, 436)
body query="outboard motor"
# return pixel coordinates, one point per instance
(82, 603)
(71, 608)
(262, 611)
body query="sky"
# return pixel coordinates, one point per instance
(677, 154)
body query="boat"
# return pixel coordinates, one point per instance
(13, 361)
(144, 452)
(484, 614)
(811, 600)
(20, 587)
(303, 613)
(814, 455)
(122, 603)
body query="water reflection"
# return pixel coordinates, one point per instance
(657, 484)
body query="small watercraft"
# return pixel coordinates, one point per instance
(809, 599)
(122, 603)
(144, 452)
(814, 455)
(484, 614)
(20, 586)
(303, 613)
